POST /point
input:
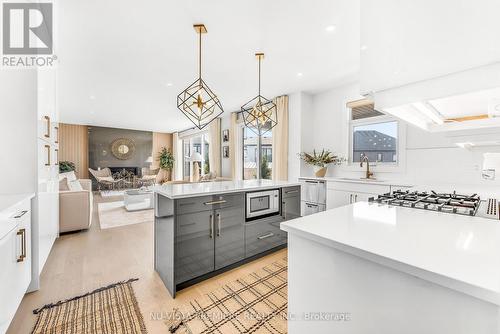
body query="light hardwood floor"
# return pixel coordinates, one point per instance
(84, 261)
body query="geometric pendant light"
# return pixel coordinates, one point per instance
(198, 102)
(259, 114)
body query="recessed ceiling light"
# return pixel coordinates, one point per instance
(169, 84)
(330, 28)
(363, 47)
(300, 74)
(92, 97)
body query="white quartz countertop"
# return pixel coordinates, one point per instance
(7, 205)
(455, 251)
(183, 190)
(396, 183)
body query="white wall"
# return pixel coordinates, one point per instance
(430, 157)
(300, 138)
(18, 109)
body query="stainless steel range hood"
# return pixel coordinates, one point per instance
(460, 101)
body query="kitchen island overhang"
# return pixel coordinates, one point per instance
(395, 270)
(202, 229)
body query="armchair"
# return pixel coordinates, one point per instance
(104, 178)
(148, 176)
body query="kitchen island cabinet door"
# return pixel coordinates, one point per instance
(229, 236)
(194, 247)
(290, 207)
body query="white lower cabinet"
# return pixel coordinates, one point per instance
(15, 264)
(345, 193)
(337, 198)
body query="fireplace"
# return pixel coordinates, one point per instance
(135, 170)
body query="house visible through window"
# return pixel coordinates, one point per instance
(257, 165)
(372, 134)
(198, 143)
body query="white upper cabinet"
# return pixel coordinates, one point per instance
(47, 107)
(404, 42)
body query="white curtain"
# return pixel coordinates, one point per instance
(280, 140)
(236, 147)
(177, 153)
(214, 139)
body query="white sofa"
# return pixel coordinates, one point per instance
(75, 207)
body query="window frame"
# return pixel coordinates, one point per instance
(371, 121)
(381, 167)
(200, 134)
(258, 153)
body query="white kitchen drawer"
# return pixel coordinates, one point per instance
(311, 208)
(368, 188)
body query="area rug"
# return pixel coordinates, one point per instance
(114, 214)
(254, 304)
(111, 309)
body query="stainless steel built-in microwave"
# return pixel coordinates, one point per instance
(262, 203)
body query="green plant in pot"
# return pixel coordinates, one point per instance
(166, 159)
(66, 166)
(320, 161)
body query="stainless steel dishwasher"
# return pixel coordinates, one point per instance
(313, 196)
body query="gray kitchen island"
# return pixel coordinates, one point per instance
(203, 229)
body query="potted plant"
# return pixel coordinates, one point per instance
(166, 159)
(66, 166)
(320, 161)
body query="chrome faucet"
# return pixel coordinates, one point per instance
(364, 158)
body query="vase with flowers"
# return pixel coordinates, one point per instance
(320, 161)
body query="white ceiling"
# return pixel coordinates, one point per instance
(118, 57)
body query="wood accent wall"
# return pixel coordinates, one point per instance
(160, 140)
(74, 147)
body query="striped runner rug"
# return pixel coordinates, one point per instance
(110, 309)
(253, 304)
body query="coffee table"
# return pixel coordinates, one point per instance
(136, 199)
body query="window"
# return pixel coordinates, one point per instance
(378, 141)
(198, 143)
(257, 163)
(372, 134)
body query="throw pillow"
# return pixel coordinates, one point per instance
(63, 185)
(75, 186)
(71, 176)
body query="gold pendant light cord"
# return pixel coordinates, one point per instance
(199, 55)
(259, 76)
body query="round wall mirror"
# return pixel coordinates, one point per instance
(123, 148)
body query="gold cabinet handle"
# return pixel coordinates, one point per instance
(57, 134)
(22, 233)
(47, 118)
(48, 155)
(57, 157)
(24, 243)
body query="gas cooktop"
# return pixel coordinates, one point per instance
(470, 205)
